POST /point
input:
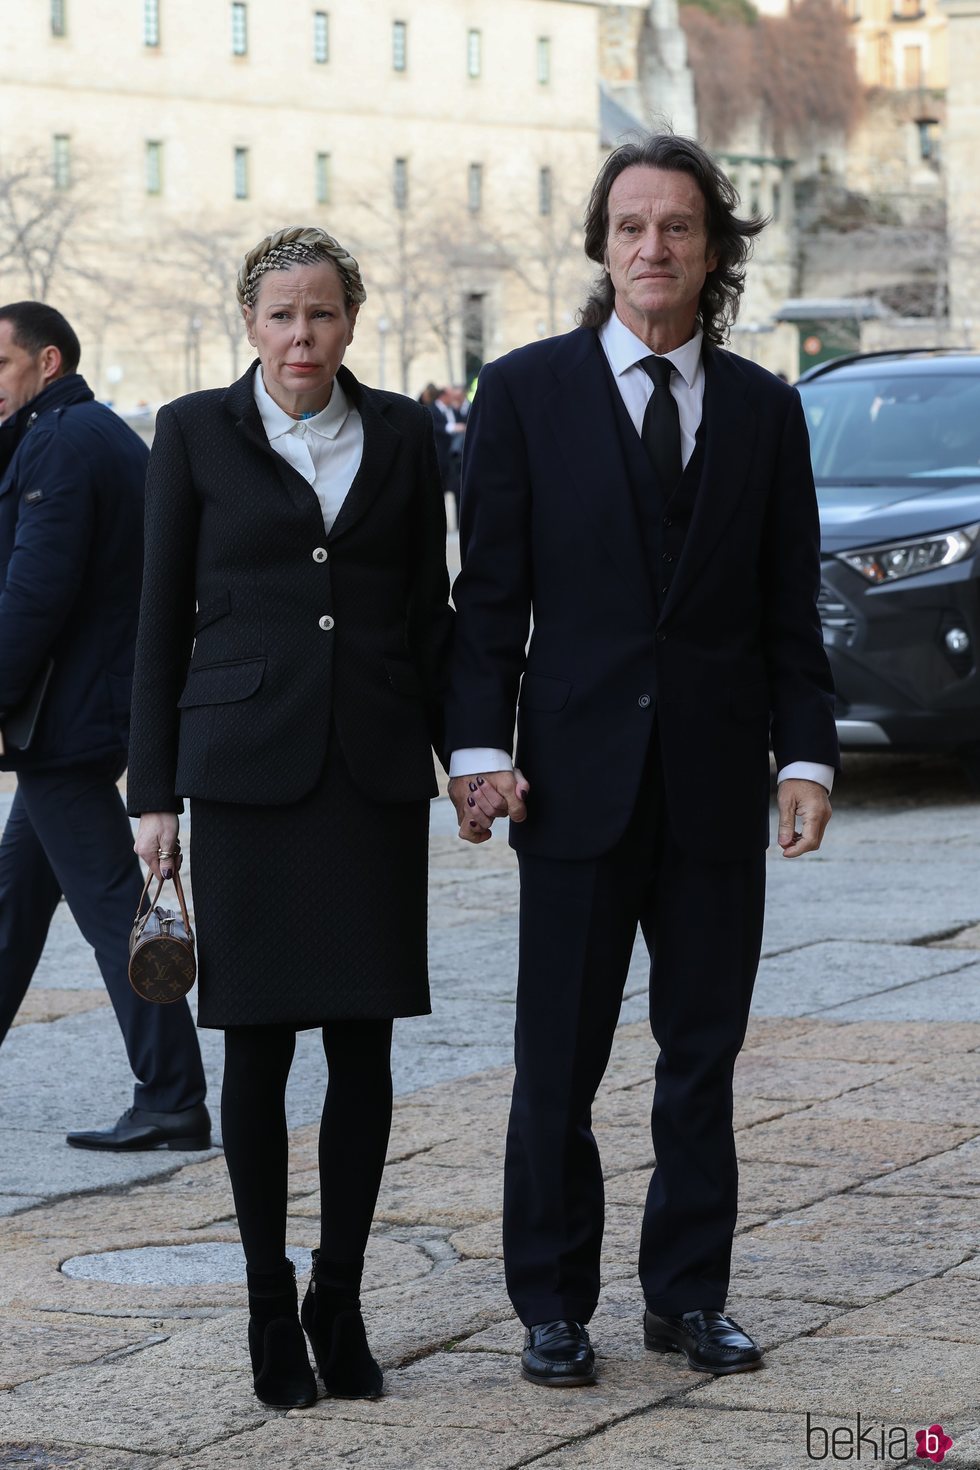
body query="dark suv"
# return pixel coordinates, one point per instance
(895, 440)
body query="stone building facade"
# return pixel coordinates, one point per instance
(451, 142)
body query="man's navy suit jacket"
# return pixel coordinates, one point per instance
(732, 658)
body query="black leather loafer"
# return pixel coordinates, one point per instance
(139, 1129)
(711, 1342)
(558, 1355)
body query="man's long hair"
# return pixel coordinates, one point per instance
(729, 237)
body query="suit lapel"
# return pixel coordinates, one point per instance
(381, 443)
(731, 425)
(239, 400)
(583, 416)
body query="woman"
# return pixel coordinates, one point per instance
(303, 514)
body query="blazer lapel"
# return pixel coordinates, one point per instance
(239, 400)
(583, 417)
(731, 426)
(381, 443)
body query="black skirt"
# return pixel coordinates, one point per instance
(312, 912)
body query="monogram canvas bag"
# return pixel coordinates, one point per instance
(162, 966)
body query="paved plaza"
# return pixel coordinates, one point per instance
(857, 1262)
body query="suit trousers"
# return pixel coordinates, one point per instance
(68, 833)
(702, 923)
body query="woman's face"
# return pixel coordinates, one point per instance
(301, 326)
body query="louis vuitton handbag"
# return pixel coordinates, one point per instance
(162, 965)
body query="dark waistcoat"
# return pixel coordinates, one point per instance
(662, 523)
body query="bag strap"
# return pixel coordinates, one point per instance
(141, 918)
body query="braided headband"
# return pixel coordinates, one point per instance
(298, 245)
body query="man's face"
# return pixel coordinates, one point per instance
(22, 376)
(657, 252)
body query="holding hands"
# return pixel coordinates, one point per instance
(480, 799)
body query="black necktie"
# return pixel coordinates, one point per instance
(661, 432)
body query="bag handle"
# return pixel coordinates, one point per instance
(140, 920)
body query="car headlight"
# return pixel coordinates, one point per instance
(910, 558)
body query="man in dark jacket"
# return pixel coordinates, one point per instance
(71, 549)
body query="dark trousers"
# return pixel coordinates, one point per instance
(702, 922)
(68, 833)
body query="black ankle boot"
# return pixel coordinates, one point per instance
(281, 1372)
(332, 1319)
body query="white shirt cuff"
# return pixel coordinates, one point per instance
(808, 771)
(478, 758)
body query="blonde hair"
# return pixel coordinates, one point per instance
(298, 245)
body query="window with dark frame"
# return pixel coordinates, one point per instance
(399, 45)
(151, 22)
(59, 17)
(323, 178)
(321, 37)
(241, 173)
(544, 59)
(401, 183)
(61, 160)
(154, 166)
(474, 53)
(928, 131)
(239, 28)
(474, 188)
(544, 190)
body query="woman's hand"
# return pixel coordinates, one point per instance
(157, 844)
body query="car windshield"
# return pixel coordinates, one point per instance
(894, 427)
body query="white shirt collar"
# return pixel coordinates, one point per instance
(625, 349)
(276, 421)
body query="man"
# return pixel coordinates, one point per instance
(649, 499)
(71, 551)
(449, 426)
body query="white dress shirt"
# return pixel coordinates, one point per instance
(624, 353)
(326, 448)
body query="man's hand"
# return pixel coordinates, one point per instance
(804, 805)
(480, 799)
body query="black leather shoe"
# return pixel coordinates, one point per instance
(139, 1129)
(711, 1342)
(558, 1355)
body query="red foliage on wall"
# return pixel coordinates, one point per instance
(795, 72)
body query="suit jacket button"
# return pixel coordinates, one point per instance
(320, 554)
(644, 701)
(661, 637)
(326, 622)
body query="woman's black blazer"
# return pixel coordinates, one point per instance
(257, 628)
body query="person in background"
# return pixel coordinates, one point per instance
(293, 640)
(71, 539)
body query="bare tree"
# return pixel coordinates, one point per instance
(545, 252)
(45, 239)
(200, 263)
(428, 246)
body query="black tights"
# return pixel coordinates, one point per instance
(353, 1136)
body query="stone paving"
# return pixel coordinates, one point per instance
(857, 1261)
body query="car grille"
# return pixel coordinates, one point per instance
(835, 616)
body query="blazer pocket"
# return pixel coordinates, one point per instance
(542, 692)
(403, 677)
(211, 610)
(222, 683)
